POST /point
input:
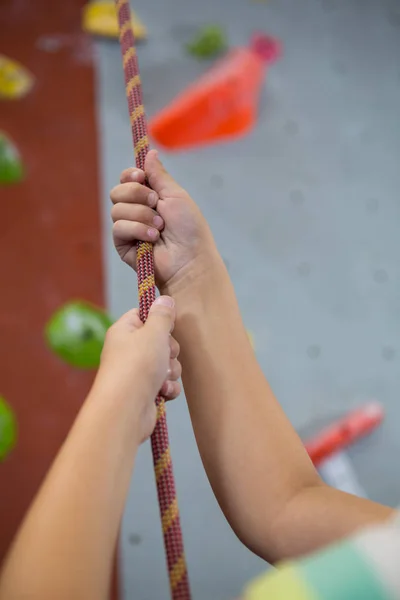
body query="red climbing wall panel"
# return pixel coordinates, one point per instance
(50, 236)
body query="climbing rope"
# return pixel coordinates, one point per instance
(167, 499)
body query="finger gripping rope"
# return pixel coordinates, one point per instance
(171, 527)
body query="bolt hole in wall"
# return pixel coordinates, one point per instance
(298, 176)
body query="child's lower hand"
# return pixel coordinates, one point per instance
(164, 215)
(139, 360)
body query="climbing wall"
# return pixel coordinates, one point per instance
(50, 244)
(305, 211)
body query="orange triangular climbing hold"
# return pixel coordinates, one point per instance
(222, 104)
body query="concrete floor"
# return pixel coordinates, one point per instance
(305, 210)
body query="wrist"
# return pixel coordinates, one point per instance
(122, 414)
(126, 395)
(196, 276)
(199, 302)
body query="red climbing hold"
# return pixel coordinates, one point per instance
(220, 105)
(344, 432)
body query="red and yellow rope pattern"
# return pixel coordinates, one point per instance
(173, 540)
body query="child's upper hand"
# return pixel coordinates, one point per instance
(140, 360)
(164, 215)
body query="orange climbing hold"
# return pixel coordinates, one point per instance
(220, 105)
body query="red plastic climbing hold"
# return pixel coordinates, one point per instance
(220, 105)
(344, 432)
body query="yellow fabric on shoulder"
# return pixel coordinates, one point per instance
(283, 584)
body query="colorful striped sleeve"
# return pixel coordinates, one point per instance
(364, 567)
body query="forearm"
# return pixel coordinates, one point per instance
(256, 463)
(65, 547)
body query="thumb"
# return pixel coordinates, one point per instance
(159, 178)
(161, 317)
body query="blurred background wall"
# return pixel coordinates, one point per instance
(305, 210)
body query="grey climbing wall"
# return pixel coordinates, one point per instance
(306, 210)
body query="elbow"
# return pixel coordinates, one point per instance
(292, 532)
(282, 533)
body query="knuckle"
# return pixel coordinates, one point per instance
(176, 370)
(110, 332)
(126, 172)
(142, 214)
(165, 314)
(122, 191)
(118, 228)
(131, 212)
(134, 187)
(115, 212)
(114, 193)
(175, 348)
(148, 214)
(176, 391)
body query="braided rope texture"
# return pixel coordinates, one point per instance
(173, 540)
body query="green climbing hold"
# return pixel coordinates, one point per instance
(208, 42)
(76, 333)
(8, 429)
(11, 167)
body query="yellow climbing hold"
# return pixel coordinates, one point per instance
(15, 80)
(100, 18)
